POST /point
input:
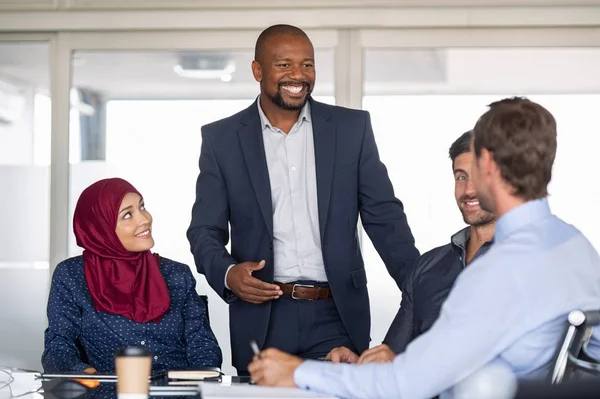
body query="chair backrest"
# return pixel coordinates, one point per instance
(205, 300)
(577, 335)
(533, 389)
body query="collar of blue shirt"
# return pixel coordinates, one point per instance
(305, 115)
(521, 216)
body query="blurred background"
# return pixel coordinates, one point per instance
(101, 88)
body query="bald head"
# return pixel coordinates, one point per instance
(274, 31)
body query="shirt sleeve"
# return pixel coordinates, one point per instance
(482, 317)
(400, 333)
(201, 344)
(226, 273)
(61, 352)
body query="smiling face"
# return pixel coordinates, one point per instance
(465, 194)
(286, 71)
(134, 224)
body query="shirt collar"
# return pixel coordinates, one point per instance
(461, 238)
(265, 123)
(521, 216)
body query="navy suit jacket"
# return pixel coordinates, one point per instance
(233, 188)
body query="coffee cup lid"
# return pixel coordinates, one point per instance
(133, 351)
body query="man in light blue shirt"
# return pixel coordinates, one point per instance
(510, 306)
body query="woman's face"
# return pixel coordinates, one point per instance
(134, 224)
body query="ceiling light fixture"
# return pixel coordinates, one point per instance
(205, 67)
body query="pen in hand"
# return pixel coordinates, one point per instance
(256, 351)
(254, 347)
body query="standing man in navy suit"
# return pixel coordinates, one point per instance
(291, 176)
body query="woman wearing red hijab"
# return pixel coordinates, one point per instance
(118, 293)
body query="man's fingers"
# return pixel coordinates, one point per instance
(259, 292)
(255, 299)
(272, 353)
(255, 369)
(368, 355)
(364, 359)
(335, 357)
(256, 266)
(259, 284)
(377, 355)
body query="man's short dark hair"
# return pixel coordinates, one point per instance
(521, 135)
(273, 31)
(461, 146)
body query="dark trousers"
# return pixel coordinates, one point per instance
(308, 329)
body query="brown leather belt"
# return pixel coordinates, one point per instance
(301, 291)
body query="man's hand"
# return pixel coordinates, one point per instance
(342, 355)
(378, 354)
(275, 368)
(248, 288)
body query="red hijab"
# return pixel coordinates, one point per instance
(120, 282)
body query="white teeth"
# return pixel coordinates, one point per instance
(472, 203)
(143, 233)
(293, 89)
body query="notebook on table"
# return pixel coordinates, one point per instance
(195, 375)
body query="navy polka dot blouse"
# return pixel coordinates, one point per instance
(79, 337)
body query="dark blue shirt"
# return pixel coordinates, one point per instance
(426, 287)
(79, 337)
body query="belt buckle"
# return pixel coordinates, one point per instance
(305, 286)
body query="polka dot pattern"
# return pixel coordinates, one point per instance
(79, 337)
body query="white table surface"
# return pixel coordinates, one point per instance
(25, 386)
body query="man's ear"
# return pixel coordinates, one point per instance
(488, 164)
(257, 71)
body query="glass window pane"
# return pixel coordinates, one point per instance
(421, 100)
(25, 201)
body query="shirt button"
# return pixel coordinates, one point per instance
(155, 357)
(293, 168)
(143, 342)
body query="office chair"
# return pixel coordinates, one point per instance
(586, 389)
(570, 356)
(205, 300)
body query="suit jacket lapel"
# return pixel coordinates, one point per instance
(324, 138)
(250, 135)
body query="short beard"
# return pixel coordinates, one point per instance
(278, 100)
(483, 219)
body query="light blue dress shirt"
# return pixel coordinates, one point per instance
(508, 306)
(293, 179)
(297, 253)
